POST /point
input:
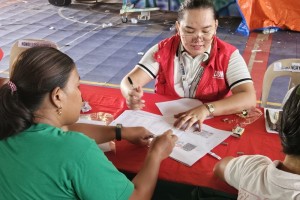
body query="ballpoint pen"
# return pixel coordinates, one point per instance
(131, 83)
(214, 155)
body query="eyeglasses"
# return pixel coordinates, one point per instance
(205, 36)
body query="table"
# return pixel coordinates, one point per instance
(129, 157)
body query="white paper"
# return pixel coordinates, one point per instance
(272, 112)
(35, 43)
(277, 66)
(295, 67)
(191, 144)
(177, 106)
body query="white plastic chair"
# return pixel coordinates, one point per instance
(21, 45)
(270, 75)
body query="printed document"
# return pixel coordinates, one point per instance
(191, 145)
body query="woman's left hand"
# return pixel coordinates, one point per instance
(186, 120)
(137, 135)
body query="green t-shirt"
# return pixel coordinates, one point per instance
(45, 162)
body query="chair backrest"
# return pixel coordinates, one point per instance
(271, 74)
(21, 45)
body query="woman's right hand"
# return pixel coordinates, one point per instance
(134, 99)
(144, 182)
(163, 145)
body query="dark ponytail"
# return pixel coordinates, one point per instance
(36, 72)
(13, 114)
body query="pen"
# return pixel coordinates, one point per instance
(214, 155)
(131, 83)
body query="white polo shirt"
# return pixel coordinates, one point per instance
(257, 177)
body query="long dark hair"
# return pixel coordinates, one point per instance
(37, 71)
(196, 4)
(290, 124)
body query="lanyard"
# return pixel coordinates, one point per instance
(189, 90)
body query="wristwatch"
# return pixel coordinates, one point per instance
(118, 132)
(210, 107)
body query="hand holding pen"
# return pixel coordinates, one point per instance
(131, 83)
(162, 145)
(134, 99)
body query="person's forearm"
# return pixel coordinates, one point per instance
(234, 104)
(145, 180)
(100, 134)
(220, 166)
(125, 87)
(138, 77)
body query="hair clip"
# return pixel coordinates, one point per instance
(12, 86)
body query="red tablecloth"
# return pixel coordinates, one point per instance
(129, 157)
(103, 99)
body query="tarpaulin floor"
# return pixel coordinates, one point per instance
(105, 49)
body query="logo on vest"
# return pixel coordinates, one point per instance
(218, 75)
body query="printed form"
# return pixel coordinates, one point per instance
(191, 145)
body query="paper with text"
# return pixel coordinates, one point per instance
(295, 67)
(191, 144)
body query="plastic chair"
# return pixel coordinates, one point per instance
(21, 45)
(270, 75)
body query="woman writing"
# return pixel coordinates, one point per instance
(43, 153)
(194, 63)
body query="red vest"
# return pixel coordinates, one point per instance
(212, 86)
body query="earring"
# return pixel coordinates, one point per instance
(59, 110)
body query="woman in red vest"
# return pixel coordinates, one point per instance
(194, 63)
